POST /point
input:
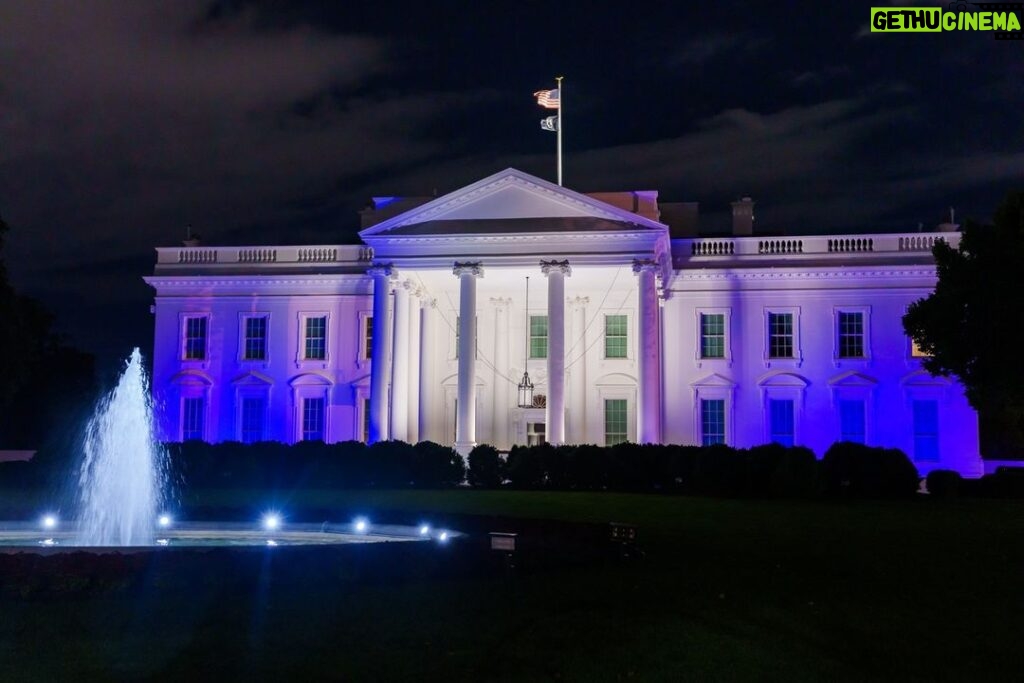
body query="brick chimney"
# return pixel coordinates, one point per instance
(743, 217)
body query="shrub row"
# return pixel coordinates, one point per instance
(314, 464)
(1005, 482)
(846, 470)
(763, 471)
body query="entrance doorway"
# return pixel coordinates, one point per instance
(536, 433)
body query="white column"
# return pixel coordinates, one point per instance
(413, 417)
(576, 427)
(382, 275)
(400, 366)
(554, 415)
(502, 389)
(648, 413)
(465, 418)
(428, 427)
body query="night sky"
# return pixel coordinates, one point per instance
(122, 121)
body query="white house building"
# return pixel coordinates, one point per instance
(423, 332)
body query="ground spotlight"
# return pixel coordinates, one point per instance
(361, 525)
(49, 521)
(271, 521)
(425, 530)
(443, 537)
(164, 520)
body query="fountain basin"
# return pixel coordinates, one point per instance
(22, 537)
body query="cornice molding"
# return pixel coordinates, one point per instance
(725, 274)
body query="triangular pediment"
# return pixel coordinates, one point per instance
(514, 202)
(853, 379)
(714, 380)
(252, 379)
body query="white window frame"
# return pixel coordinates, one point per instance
(797, 359)
(631, 334)
(204, 395)
(251, 392)
(866, 401)
(183, 318)
(713, 392)
(727, 314)
(530, 336)
(362, 395)
(865, 312)
(855, 392)
(938, 429)
(921, 386)
(620, 392)
(300, 351)
(776, 392)
(242, 317)
(363, 353)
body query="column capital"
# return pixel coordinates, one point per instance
(642, 265)
(578, 301)
(501, 302)
(547, 267)
(412, 287)
(474, 268)
(387, 270)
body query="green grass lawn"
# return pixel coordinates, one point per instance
(729, 590)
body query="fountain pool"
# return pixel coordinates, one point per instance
(123, 490)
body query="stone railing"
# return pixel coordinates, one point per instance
(806, 247)
(265, 256)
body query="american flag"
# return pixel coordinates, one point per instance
(547, 98)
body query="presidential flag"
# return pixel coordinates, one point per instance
(550, 123)
(547, 98)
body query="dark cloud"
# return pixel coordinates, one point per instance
(122, 121)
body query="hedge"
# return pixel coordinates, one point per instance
(769, 471)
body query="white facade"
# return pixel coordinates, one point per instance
(647, 339)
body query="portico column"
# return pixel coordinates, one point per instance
(554, 414)
(382, 275)
(413, 413)
(501, 388)
(465, 417)
(648, 413)
(577, 432)
(400, 366)
(428, 335)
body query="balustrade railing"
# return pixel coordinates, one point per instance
(863, 246)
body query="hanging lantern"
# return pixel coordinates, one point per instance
(525, 391)
(525, 385)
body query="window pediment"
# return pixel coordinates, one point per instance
(714, 380)
(252, 379)
(784, 379)
(852, 379)
(192, 377)
(310, 379)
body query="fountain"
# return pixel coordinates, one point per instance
(123, 478)
(123, 491)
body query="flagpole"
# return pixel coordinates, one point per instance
(561, 105)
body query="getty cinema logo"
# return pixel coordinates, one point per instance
(1000, 18)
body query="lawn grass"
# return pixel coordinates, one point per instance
(729, 590)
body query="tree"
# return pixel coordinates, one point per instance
(44, 382)
(970, 325)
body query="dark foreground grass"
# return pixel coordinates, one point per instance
(729, 590)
